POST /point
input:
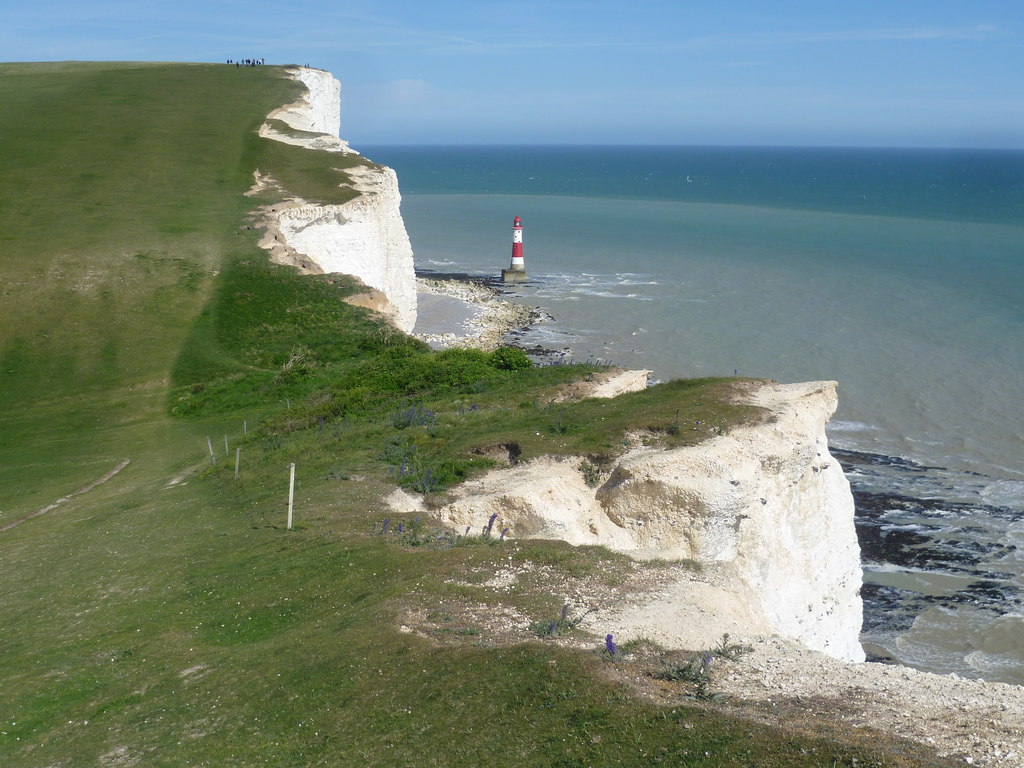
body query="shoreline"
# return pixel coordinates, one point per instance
(461, 310)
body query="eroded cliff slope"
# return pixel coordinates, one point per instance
(765, 504)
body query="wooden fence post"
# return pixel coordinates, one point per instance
(291, 493)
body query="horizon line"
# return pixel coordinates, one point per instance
(661, 145)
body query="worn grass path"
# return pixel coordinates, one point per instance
(63, 499)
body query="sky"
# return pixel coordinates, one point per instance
(901, 73)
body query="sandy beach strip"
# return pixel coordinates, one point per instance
(469, 314)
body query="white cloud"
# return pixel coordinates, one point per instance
(405, 91)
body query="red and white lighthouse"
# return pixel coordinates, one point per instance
(517, 246)
(517, 270)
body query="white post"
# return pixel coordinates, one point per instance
(245, 427)
(238, 456)
(291, 494)
(226, 451)
(209, 443)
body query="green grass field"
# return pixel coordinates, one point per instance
(165, 617)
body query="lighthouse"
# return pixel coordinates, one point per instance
(516, 273)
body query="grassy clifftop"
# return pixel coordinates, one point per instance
(164, 616)
(121, 191)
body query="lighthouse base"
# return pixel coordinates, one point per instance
(513, 275)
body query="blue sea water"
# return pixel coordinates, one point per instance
(898, 273)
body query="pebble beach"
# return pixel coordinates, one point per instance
(460, 313)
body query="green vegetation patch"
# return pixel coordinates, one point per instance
(361, 392)
(270, 334)
(442, 416)
(317, 176)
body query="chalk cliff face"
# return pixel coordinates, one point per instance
(768, 502)
(364, 237)
(320, 110)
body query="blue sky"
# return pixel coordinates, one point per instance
(764, 72)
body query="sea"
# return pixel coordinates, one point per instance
(898, 273)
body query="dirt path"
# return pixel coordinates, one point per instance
(63, 499)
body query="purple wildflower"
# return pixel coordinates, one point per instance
(467, 531)
(387, 525)
(504, 533)
(401, 528)
(610, 646)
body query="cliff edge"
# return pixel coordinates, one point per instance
(364, 237)
(765, 508)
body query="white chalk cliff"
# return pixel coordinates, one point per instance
(364, 237)
(767, 503)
